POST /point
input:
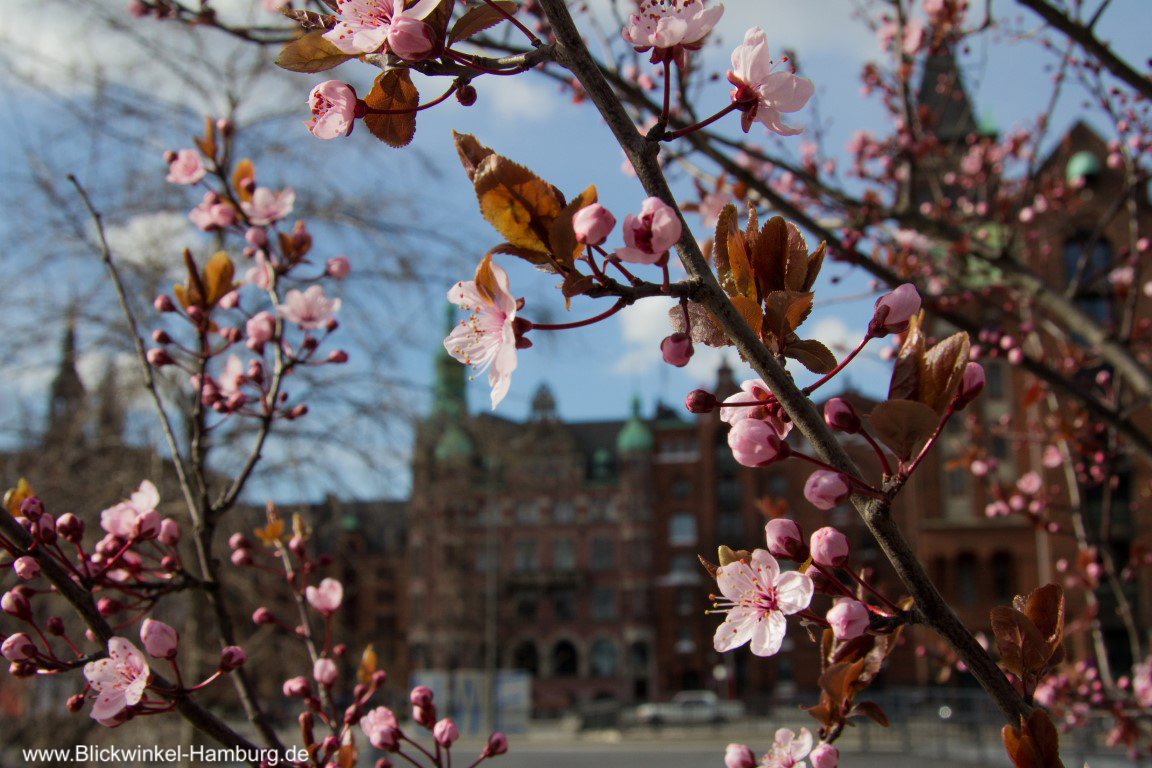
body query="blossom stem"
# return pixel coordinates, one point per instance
(619, 305)
(851, 355)
(833, 581)
(702, 124)
(879, 452)
(451, 90)
(868, 587)
(906, 472)
(667, 90)
(517, 23)
(206, 682)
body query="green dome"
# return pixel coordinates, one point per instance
(454, 444)
(634, 437)
(1082, 165)
(350, 522)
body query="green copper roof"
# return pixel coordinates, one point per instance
(350, 522)
(1082, 165)
(454, 444)
(634, 437)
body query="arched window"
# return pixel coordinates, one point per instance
(565, 659)
(527, 658)
(602, 658)
(1004, 575)
(966, 578)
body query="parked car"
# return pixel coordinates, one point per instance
(689, 707)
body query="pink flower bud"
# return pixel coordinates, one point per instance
(421, 696)
(297, 688)
(411, 39)
(785, 539)
(163, 304)
(109, 606)
(32, 508)
(700, 401)
(241, 557)
(739, 756)
(263, 616)
(648, 237)
(15, 604)
(825, 489)
(337, 268)
(239, 541)
(70, 528)
(232, 657)
(169, 532)
(677, 349)
(44, 529)
(497, 744)
(75, 703)
(754, 443)
(158, 358)
(592, 224)
(840, 416)
(337, 357)
(824, 756)
(26, 568)
(848, 619)
(381, 728)
(18, 647)
(147, 525)
(894, 310)
(971, 385)
(185, 168)
(333, 105)
(829, 547)
(55, 626)
(424, 716)
(325, 672)
(445, 733)
(159, 639)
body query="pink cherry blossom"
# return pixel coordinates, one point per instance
(894, 310)
(789, 749)
(267, 207)
(186, 167)
(212, 214)
(757, 597)
(754, 443)
(119, 680)
(592, 224)
(755, 391)
(381, 729)
(761, 94)
(159, 639)
(671, 27)
(410, 38)
(825, 756)
(1142, 682)
(739, 756)
(333, 106)
(487, 339)
(326, 597)
(123, 519)
(260, 328)
(26, 568)
(310, 309)
(648, 237)
(829, 547)
(825, 489)
(366, 26)
(848, 619)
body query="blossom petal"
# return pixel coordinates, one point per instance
(768, 634)
(793, 592)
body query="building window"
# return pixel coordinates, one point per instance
(993, 379)
(526, 657)
(686, 602)
(564, 555)
(602, 658)
(957, 481)
(603, 554)
(1003, 576)
(526, 556)
(681, 489)
(564, 604)
(603, 604)
(565, 659)
(966, 578)
(564, 512)
(528, 513)
(682, 529)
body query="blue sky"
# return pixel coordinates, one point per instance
(593, 372)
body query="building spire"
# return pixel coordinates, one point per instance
(450, 390)
(945, 109)
(66, 404)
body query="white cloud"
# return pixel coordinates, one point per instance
(519, 98)
(642, 328)
(152, 242)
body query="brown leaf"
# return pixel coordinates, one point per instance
(904, 426)
(704, 328)
(941, 371)
(393, 92)
(1018, 641)
(539, 259)
(1035, 744)
(243, 180)
(811, 354)
(770, 255)
(367, 666)
(872, 711)
(784, 311)
(712, 568)
(207, 145)
(518, 203)
(478, 19)
(191, 294)
(750, 310)
(815, 261)
(905, 383)
(576, 285)
(740, 261)
(1045, 607)
(471, 152)
(725, 226)
(839, 681)
(217, 279)
(311, 52)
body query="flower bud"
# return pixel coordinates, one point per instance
(45, 529)
(239, 541)
(739, 756)
(754, 443)
(445, 733)
(109, 606)
(840, 416)
(26, 568)
(894, 310)
(337, 357)
(700, 401)
(424, 716)
(163, 303)
(297, 688)
(169, 532)
(75, 703)
(158, 358)
(825, 489)
(848, 619)
(31, 508)
(592, 224)
(232, 657)
(497, 744)
(421, 696)
(829, 547)
(16, 604)
(971, 385)
(337, 268)
(241, 557)
(411, 39)
(824, 756)
(677, 349)
(146, 526)
(263, 616)
(785, 540)
(466, 95)
(54, 626)
(324, 671)
(22, 669)
(18, 647)
(159, 639)
(70, 528)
